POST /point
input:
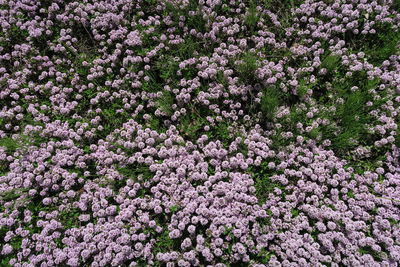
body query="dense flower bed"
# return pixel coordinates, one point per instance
(199, 133)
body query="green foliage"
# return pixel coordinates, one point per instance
(132, 171)
(151, 2)
(17, 35)
(221, 78)
(303, 88)
(10, 144)
(351, 116)
(3, 171)
(270, 102)
(174, 208)
(197, 22)
(397, 138)
(166, 68)
(5, 261)
(194, 22)
(263, 183)
(393, 221)
(13, 194)
(295, 212)
(264, 256)
(186, 49)
(350, 194)
(396, 5)
(252, 16)
(368, 250)
(165, 102)
(330, 62)
(315, 133)
(69, 218)
(112, 120)
(264, 186)
(352, 120)
(228, 231)
(191, 125)
(22, 142)
(164, 243)
(221, 132)
(156, 123)
(383, 44)
(283, 9)
(248, 67)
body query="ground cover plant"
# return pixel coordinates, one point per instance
(199, 133)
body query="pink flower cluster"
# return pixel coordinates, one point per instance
(199, 133)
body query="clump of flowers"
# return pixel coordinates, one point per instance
(199, 133)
